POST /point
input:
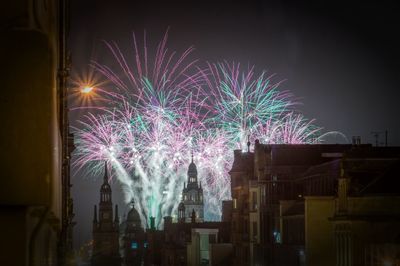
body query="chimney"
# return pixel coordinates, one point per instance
(356, 140)
(152, 223)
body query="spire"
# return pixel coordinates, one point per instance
(192, 155)
(105, 172)
(116, 219)
(95, 214)
(132, 203)
(248, 143)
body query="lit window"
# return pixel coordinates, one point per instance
(277, 237)
(134, 245)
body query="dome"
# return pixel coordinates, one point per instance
(133, 215)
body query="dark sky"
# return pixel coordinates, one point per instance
(341, 58)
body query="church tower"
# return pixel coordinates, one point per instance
(105, 229)
(192, 196)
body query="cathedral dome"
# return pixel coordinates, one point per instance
(133, 215)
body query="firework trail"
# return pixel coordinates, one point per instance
(161, 110)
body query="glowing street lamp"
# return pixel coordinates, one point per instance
(86, 89)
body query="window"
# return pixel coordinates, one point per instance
(246, 227)
(254, 200)
(134, 245)
(255, 229)
(277, 237)
(212, 239)
(263, 194)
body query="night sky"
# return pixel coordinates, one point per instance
(340, 59)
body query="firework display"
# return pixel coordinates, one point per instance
(159, 110)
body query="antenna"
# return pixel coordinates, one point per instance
(376, 135)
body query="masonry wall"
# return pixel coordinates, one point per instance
(319, 231)
(30, 143)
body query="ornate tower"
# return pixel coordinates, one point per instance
(105, 229)
(192, 196)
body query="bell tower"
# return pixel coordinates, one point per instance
(105, 228)
(192, 196)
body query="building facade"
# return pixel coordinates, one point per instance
(105, 228)
(33, 196)
(242, 173)
(315, 205)
(196, 243)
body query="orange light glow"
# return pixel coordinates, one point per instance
(87, 89)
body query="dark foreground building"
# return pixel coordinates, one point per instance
(196, 243)
(133, 239)
(36, 216)
(316, 205)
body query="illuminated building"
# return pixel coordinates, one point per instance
(105, 229)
